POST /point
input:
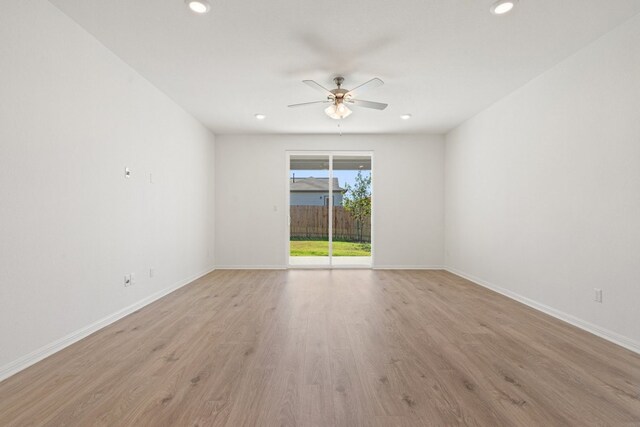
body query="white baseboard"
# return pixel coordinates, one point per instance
(35, 356)
(325, 267)
(408, 267)
(251, 267)
(608, 335)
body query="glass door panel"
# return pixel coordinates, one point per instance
(352, 195)
(309, 210)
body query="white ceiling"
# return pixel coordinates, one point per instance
(442, 60)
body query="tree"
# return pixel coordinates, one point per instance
(357, 201)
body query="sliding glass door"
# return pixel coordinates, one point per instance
(330, 209)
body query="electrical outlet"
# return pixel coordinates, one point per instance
(127, 280)
(597, 295)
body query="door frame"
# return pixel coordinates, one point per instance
(287, 216)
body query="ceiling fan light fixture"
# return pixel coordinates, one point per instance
(198, 6)
(503, 6)
(338, 111)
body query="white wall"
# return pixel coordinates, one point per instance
(543, 190)
(251, 185)
(72, 116)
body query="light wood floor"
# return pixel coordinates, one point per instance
(324, 348)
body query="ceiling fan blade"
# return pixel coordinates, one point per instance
(367, 104)
(307, 103)
(374, 82)
(312, 84)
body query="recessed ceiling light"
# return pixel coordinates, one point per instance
(260, 116)
(198, 6)
(503, 6)
(405, 116)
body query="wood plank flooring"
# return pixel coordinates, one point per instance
(331, 348)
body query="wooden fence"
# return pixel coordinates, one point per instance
(312, 222)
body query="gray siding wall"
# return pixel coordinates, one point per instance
(313, 199)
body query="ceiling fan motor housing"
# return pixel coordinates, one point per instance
(338, 94)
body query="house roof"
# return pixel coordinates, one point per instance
(314, 184)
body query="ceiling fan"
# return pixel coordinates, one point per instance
(339, 97)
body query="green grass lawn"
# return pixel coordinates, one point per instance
(321, 248)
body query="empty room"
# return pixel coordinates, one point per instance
(319, 213)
